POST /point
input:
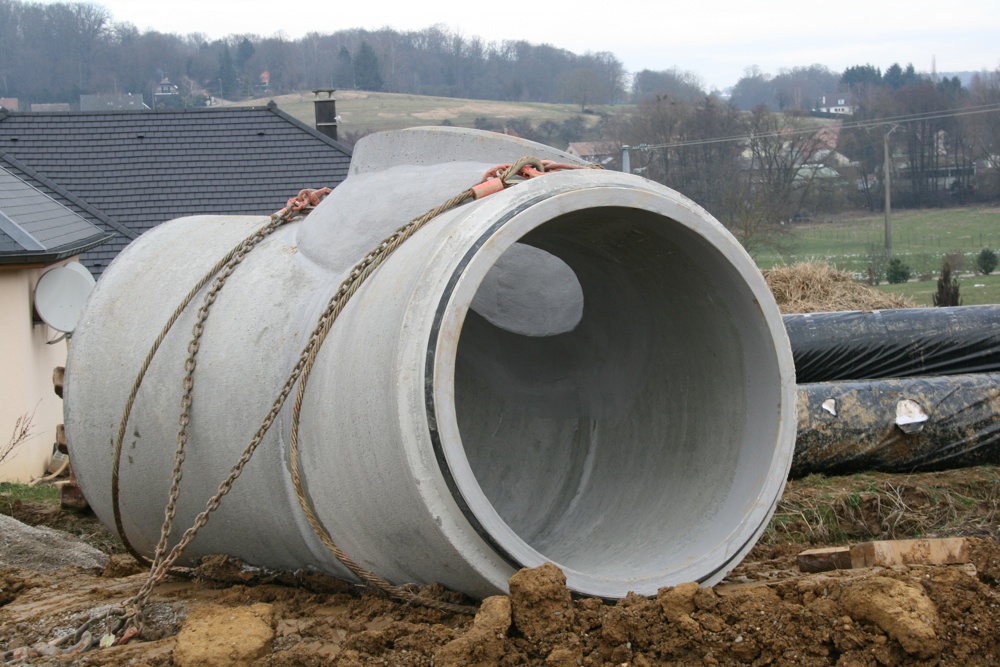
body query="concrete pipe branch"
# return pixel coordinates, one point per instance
(585, 368)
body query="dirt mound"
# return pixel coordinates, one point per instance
(814, 287)
(919, 615)
(765, 612)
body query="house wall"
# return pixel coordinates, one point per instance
(26, 364)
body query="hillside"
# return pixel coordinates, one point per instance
(365, 112)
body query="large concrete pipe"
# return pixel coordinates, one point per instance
(585, 369)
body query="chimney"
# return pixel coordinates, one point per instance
(326, 112)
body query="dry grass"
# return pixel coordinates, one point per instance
(813, 287)
(22, 431)
(363, 112)
(875, 506)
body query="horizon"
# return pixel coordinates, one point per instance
(735, 37)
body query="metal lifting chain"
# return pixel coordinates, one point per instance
(129, 618)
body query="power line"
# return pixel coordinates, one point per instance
(859, 124)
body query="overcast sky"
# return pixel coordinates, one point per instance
(715, 39)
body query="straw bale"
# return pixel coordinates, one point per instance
(813, 287)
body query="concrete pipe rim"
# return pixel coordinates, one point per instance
(765, 443)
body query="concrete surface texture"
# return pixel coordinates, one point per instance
(584, 369)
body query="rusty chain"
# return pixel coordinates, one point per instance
(132, 614)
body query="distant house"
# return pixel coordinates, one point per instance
(9, 103)
(104, 102)
(128, 171)
(51, 106)
(840, 104)
(603, 153)
(37, 234)
(164, 90)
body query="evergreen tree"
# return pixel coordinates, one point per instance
(343, 73)
(228, 78)
(861, 75)
(244, 52)
(367, 71)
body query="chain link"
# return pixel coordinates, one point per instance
(133, 615)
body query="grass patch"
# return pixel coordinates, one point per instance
(974, 290)
(362, 111)
(42, 495)
(846, 241)
(921, 238)
(819, 510)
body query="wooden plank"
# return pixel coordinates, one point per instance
(887, 553)
(71, 497)
(58, 378)
(61, 439)
(823, 560)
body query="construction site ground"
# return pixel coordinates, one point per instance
(766, 612)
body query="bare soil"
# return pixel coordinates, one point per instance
(765, 613)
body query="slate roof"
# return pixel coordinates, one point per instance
(36, 228)
(127, 171)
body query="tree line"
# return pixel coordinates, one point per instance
(56, 52)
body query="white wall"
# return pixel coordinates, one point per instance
(26, 365)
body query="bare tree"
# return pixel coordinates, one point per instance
(22, 432)
(679, 86)
(658, 121)
(580, 85)
(983, 130)
(781, 150)
(778, 162)
(612, 74)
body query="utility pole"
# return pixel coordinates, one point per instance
(887, 183)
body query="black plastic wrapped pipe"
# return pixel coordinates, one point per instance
(904, 342)
(899, 425)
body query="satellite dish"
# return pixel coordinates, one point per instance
(61, 294)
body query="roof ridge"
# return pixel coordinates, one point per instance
(69, 196)
(287, 117)
(123, 112)
(19, 234)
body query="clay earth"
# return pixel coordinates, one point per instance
(765, 613)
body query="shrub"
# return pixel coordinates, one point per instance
(897, 271)
(986, 261)
(923, 265)
(947, 289)
(876, 264)
(955, 259)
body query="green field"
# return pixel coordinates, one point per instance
(363, 112)
(920, 238)
(975, 290)
(848, 241)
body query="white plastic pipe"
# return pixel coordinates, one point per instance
(585, 369)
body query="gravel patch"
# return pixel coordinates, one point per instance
(43, 549)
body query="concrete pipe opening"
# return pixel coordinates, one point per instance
(633, 428)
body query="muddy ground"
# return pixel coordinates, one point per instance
(765, 613)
